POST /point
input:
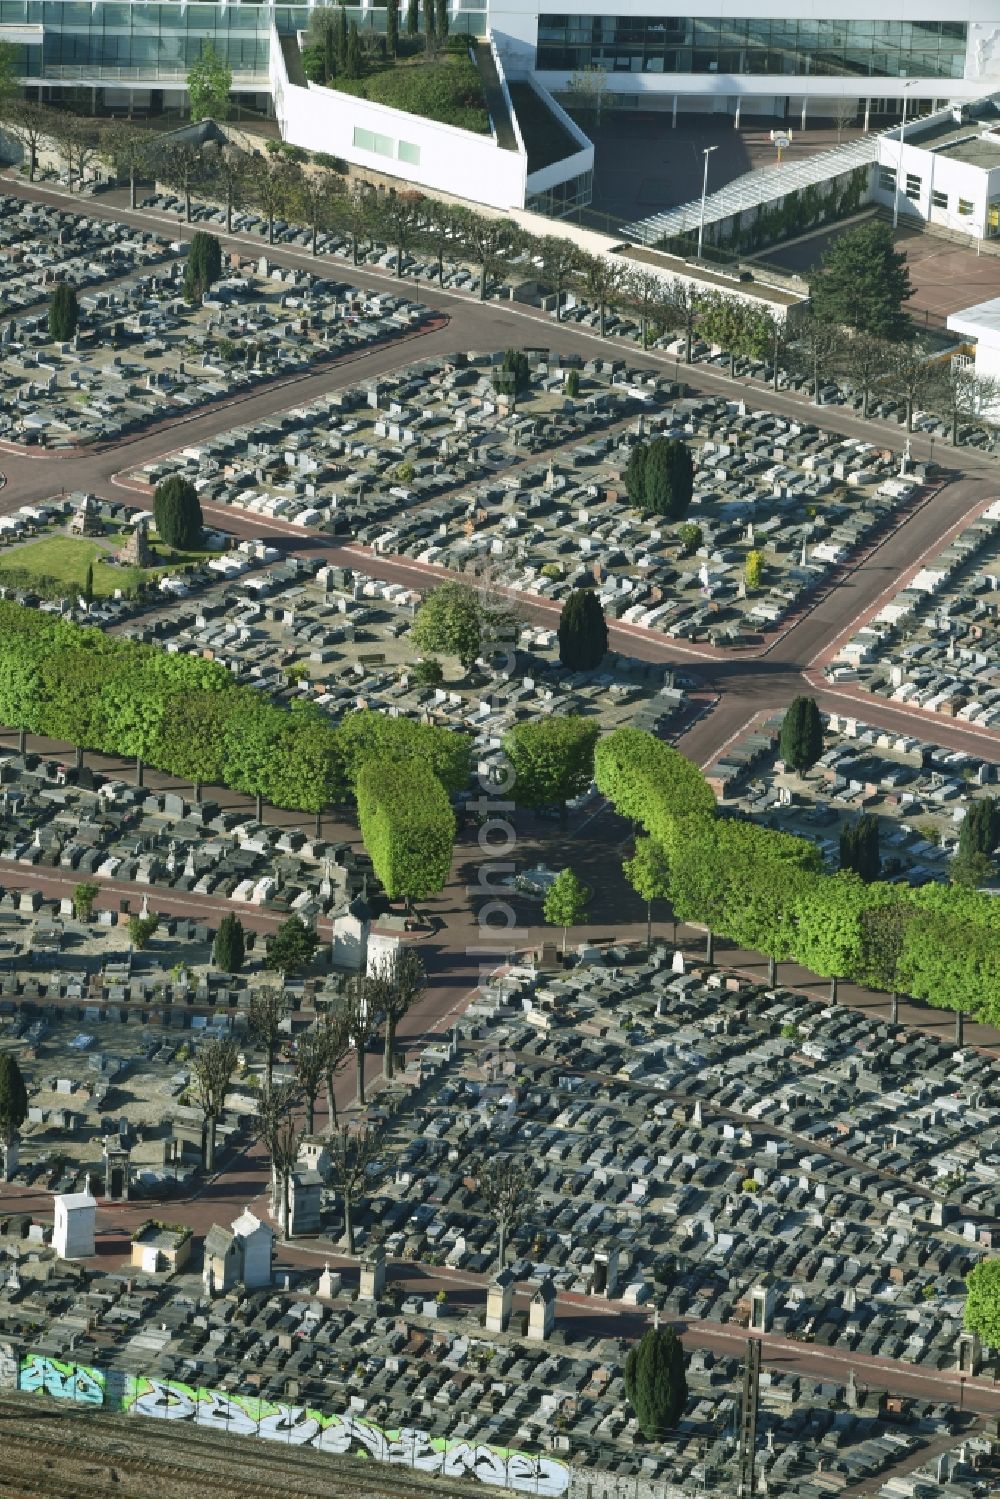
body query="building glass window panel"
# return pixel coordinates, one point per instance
(965, 208)
(939, 199)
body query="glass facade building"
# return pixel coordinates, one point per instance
(780, 47)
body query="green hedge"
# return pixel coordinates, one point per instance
(767, 890)
(448, 89)
(407, 825)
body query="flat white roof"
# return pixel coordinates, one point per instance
(981, 322)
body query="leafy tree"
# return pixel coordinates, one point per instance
(977, 840)
(209, 84)
(229, 948)
(753, 569)
(407, 825)
(552, 759)
(267, 1010)
(859, 848)
(354, 1157)
(515, 373)
(64, 312)
(650, 782)
(504, 1184)
(883, 941)
(212, 1069)
(656, 1382)
(191, 740)
(863, 282)
(565, 903)
(583, 631)
(292, 947)
(84, 896)
(453, 620)
(13, 1098)
(648, 872)
(691, 537)
(828, 924)
(204, 265)
(982, 1302)
(971, 869)
(140, 929)
(177, 510)
(367, 735)
(801, 741)
(427, 673)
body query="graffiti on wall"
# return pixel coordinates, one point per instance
(346, 1435)
(40, 1375)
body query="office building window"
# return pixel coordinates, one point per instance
(781, 45)
(965, 208)
(913, 186)
(406, 152)
(369, 140)
(887, 180)
(939, 199)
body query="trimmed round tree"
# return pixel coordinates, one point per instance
(583, 631)
(552, 759)
(64, 312)
(801, 742)
(656, 1382)
(407, 825)
(178, 512)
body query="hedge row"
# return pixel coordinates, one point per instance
(767, 891)
(407, 825)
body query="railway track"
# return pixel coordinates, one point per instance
(53, 1450)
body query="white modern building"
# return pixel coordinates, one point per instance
(981, 325)
(944, 169)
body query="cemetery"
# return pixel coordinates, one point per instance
(936, 644)
(728, 1153)
(918, 791)
(442, 465)
(144, 351)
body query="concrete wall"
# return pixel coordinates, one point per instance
(421, 153)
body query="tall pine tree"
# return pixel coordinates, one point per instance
(583, 631)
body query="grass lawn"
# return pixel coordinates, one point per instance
(59, 563)
(446, 88)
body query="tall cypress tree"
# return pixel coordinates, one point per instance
(801, 742)
(859, 848)
(392, 26)
(229, 950)
(583, 631)
(178, 512)
(635, 475)
(64, 312)
(656, 1382)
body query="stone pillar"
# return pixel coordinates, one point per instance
(372, 1277)
(605, 1281)
(805, 105)
(970, 1353)
(762, 1299)
(499, 1300)
(116, 1171)
(674, 117)
(868, 113)
(542, 1313)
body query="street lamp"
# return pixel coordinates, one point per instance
(704, 189)
(899, 163)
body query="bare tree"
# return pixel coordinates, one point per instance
(268, 1008)
(315, 193)
(354, 1155)
(866, 359)
(128, 149)
(820, 342)
(909, 374)
(401, 215)
(560, 263)
(77, 141)
(604, 282)
(644, 290)
(504, 1184)
(439, 229)
(682, 306)
(963, 396)
(310, 1070)
(181, 166)
(394, 989)
(359, 1022)
(30, 125)
(336, 1050)
(212, 1071)
(272, 182)
(845, 112)
(493, 242)
(278, 1131)
(228, 172)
